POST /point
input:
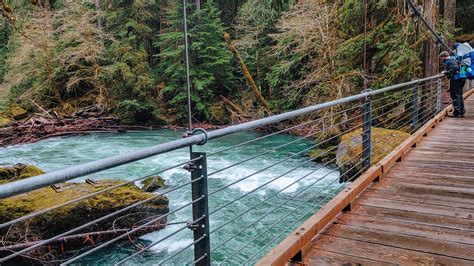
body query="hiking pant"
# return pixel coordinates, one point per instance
(456, 91)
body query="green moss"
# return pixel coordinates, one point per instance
(323, 155)
(4, 121)
(73, 215)
(153, 183)
(349, 150)
(219, 115)
(17, 172)
(383, 142)
(18, 113)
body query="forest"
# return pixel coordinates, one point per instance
(86, 67)
(124, 58)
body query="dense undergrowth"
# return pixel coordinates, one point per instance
(126, 57)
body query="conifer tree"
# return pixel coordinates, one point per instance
(127, 74)
(211, 62)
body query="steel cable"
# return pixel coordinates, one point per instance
(281, 131)
(277, 163)
(34, 214)
(47, 241)
(183, 249)
(302, 217)
(281, 146)
(154, 243)
(284, 217)
(272, 180)
(271, 211)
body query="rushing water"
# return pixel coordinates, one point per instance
(294, 203)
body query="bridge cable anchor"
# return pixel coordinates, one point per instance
(193, 132)
(193, 226)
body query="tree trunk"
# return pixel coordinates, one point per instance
(198, 5)
(100, 21)
(450, 17)
(247, 75)
(431, 54)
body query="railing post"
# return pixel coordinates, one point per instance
(366, 135)
(438, 96)
(415, 107)
(202, 249)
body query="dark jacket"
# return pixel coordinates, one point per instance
(451, 67)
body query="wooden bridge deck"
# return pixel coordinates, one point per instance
(421, 213)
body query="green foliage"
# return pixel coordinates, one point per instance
(5, 33)
(393, 53)
(210, 61)
(255, 22)
(79, 63)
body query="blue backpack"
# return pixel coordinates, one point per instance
(465, 57)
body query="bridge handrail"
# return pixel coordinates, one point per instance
(294, 246)
(350, 115)
(48, 179)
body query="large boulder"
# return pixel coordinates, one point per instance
(349, 155)
(73, 215)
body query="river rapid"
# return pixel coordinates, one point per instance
(318, 185)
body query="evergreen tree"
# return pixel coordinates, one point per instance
(5, 33)
(127, 73)
(210, 61)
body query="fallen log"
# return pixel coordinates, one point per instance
(247, 74)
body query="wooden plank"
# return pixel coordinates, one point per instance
(297, 240)
(416, 197)
(400, 240)
(335, 258)
(408, 228)
(431, 179)
(419, 208)
(374, 251)
(425, 218)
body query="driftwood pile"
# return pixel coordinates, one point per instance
(38, 127)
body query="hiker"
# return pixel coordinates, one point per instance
(456, 83)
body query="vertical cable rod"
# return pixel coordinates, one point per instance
(365, 46)
(186, 60)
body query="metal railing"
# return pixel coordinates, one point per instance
(227, 222)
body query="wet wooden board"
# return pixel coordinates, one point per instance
(421, 213)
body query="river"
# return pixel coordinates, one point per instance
(298, 201)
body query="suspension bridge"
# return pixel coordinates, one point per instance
(413, 205)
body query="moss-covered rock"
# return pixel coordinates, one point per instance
(18, 113)
(17, 172)
(323, 155)
(153, 183)
(349, 150)
(4, 121)
(73, 215)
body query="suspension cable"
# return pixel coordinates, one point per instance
(419, 13)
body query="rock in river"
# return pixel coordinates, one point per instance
(71, 216)
(349, 150)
